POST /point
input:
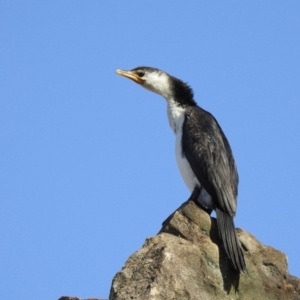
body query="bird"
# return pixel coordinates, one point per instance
(203, 154)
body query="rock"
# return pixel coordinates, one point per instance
(186, 261)
(75, 298)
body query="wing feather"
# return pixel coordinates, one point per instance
(210, 157)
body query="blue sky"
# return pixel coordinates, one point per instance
(88, 167)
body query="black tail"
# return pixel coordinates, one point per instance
(230, 240)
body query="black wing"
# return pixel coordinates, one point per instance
(210, 157)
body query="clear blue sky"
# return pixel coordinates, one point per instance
(88, 167)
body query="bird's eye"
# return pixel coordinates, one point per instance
(140, 73)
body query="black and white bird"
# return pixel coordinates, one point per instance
(203, 154)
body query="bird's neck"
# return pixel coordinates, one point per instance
(179, 96)
(176, 114)
(182, 94)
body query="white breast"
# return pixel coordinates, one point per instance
(176, 115)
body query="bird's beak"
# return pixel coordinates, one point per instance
(131, 76)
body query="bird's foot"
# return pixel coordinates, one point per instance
(171, 216)
(194, 198)
(207, 210)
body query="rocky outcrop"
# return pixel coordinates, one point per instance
(186, 261)
(75, 298)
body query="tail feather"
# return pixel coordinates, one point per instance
(230, 240)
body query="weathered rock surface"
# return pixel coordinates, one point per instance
(185, 261)
(75, 298)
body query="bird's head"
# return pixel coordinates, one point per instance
(160, 82)
(151, 79)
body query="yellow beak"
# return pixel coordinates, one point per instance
(131, 76)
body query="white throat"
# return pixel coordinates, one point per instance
(158, 82)
(176, 115)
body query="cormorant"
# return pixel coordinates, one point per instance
(203, 154)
